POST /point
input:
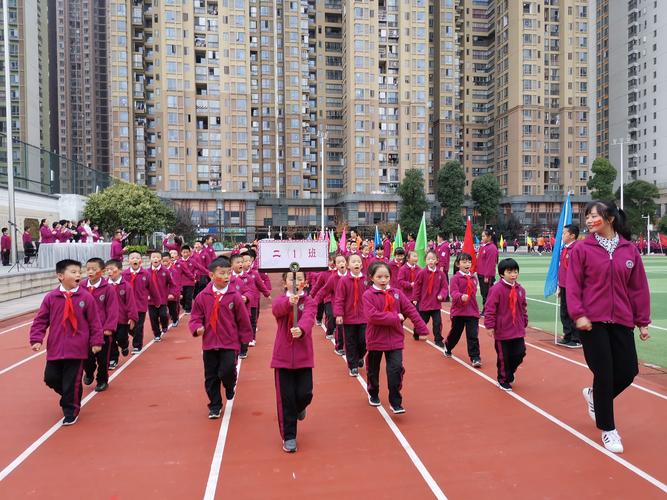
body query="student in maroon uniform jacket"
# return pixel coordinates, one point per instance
(170, 263)
(429, 292)
(395, 265)
(207, 242)
(5, 246)
(137, 277)
(444, 254)
(293, 358)
(487, 258)
(176, 245)
(464, 312)
(608, 296)
(366, 257)
(349, 312)
(506, 321)
(70, 315)
(386, 246)
(317, 281)
(189, 270)
(236, 282)
(219, 316)
(127, 312)
(117, 249)
(202, 261)
(570, 333)
(255, 288)
(106, 301)
(386, 308)
(160, 291)
(326, 295)
(407, 275)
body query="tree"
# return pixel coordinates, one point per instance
(414, 203)
(134, 208)
(662, 225)
(184, 225)
(601, 182)
(639, 198)
(451, 183)
(486, 195)
(510, 229)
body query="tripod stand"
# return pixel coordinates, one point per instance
(17, 264)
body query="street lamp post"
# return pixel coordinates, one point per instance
(622, 141)
(648, 233)
(220, 227)
(322, 135)
(8, 131)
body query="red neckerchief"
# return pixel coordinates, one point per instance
(154, 275)
(412, 274)
(566, 262)
(213, 321)
(513, 301)
(133, 277)
(355, 284)
(431, 279)
(68, 313)
(470, 287)
(388, 300)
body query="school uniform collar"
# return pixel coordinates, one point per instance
(360, 275)
(411, 266)
(156, 268)
(234, 273)
(570, 244)
(465, 274)
(375, 287)
(432, 270)
(508, 283)
(217, 290)
(299, 294)
(342, 275)
(96, 285)
(137, 271)
(120, 277)
(73, 290)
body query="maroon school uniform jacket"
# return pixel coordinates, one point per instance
(365, 262)
(384, 330)
(170, 246)
(160, 286)
(63, 342)
(443, 256)
(498, 311)
(409, 246)
(266, 279)
(188, 268)
(348, 302)
(428, 300)
(139, 284)
(201, 264)
(83, 235)
(116, 250)
(321, 280)
(458, 286)
(237, 283)
(5, 242)
(487, 260)
(106, 301)
(608, 289)
(394, 270)
(289, 352)
(127, 307)
(386, 245)
(406, 276)
(232, 324)
(210, 253)
(175, 273)
(255, 287)
(564, 264)
(47, 234)
(326, 292)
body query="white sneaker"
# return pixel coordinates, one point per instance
(588, 396)
(612, 441)
(252, 343)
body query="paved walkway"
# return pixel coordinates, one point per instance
(12, 308)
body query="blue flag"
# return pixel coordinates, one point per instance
(476, 241)
(551, 283)
(377, 242)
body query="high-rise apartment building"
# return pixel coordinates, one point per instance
(602, 77)
(28, 53)
(636, 93)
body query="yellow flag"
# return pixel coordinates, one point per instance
(502, 242)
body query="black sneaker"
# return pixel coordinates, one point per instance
(448, 353)
(505, 386)
(476, 363)
(373, 400)
(135, 351)
(125, 351)
(361, 363)
(113, 364)
(289, 445)
(230, 393)
(415, 336)
(301, 415)
(101, 387)
(354, 372)
(158, 338)
(174, 324)
(397, 409)
(213, 414)
(440, 344)
(70, 420)
(87, 379)
(243, 355)
(340, 352)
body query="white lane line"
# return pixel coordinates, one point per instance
(574, 362)
(555, 304)
(15, 327)
(419, 465)
(42, 439)
(16, 365)
(631, 467)
(216, 463)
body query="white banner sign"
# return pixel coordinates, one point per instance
(277, 255)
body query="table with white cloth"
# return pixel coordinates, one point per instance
(50, 253)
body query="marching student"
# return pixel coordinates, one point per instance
(106, 303)
(160, 291)
(380, 255)
(395, 266)
(202, 261)
(236, 282)
(386, 308)
(386, 246)
(570, 333)
(176, 245)
(219, 316)
(69, 314)
(170, 263)
(429, 292)
(127, 312)
(487, 258)
(326, 294)
(608, 296)
(255, 286)
(293, 358)
(506, 321)
(189, 269)
(349, 313)
(366, 257)
(320, 280)
(6, 246)
(408, 273)
(464, 311)
(444, 254)
(207, 242)
(411, 243)
(137, 277)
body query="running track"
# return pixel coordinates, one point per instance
(148, 435)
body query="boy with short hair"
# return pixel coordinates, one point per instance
(106, 302)
(160, 292)
(219, 315)
(70, 315)
(127, 312)
(236, 282)
(570, 333)
(506, 320)
(137, 277)
(189, 269)
(170, 263)
(395, 266)
(255, 287)
(201, 260)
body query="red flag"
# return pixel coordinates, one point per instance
(663, 240)
(469, 246)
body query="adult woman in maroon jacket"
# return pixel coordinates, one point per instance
(607, 296)
(487, 260)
